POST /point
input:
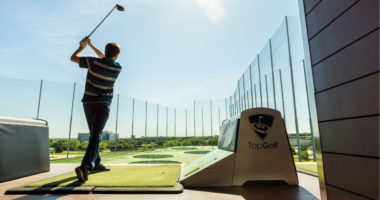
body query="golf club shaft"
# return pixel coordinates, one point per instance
(101, 21)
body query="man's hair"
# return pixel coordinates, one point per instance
(112, 49)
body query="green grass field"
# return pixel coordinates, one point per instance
(308, 166)
(170, 155)
(297, 160)
(174, 154)
(120, 176)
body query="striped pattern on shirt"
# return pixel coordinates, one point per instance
(101, 76)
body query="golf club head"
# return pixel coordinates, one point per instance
(119, 7)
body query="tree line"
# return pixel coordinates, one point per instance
(60, 145)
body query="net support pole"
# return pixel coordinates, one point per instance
(39, 99)
(133, 120)
(261, 93)
(187, 139)
(231, 109)
(308, 111)
(157, 127)
(117, 120)
(71, 120)
(293, 91)
(250, 82)
(266, 90)
(186, 122)
(146, 122)
(219, 117)
(175, 126)
(282, 98)
(166, 128)
(225, 102)
(235, 104)
(211, 117)
(194, 121)
(202, 125)
(244, 97)
(273, 83)
(239, 97)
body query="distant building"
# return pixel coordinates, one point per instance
(106, 135)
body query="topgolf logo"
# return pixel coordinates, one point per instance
(261, 124)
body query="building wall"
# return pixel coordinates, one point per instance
(106, 135)
(343, 38)
(83, 137)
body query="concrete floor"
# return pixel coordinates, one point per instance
(307, 189)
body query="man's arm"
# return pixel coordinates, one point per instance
(82, 45)
(96, 50)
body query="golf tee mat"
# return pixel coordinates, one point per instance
(121, 179)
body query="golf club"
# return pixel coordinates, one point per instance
(117, 6)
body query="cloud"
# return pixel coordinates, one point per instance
(214, 10)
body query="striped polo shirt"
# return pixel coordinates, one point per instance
(101, 76)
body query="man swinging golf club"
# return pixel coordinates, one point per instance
(102, 73)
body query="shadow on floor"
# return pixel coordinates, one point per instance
(39, 197)
(263, 191)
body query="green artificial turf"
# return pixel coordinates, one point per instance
(120, 176)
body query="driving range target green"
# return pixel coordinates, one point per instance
(156, 162)
(153, 156)
(197, 152)
(184, 148)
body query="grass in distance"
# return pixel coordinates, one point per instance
(308, 166)
(128, 157)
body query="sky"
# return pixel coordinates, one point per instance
(173, 52)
